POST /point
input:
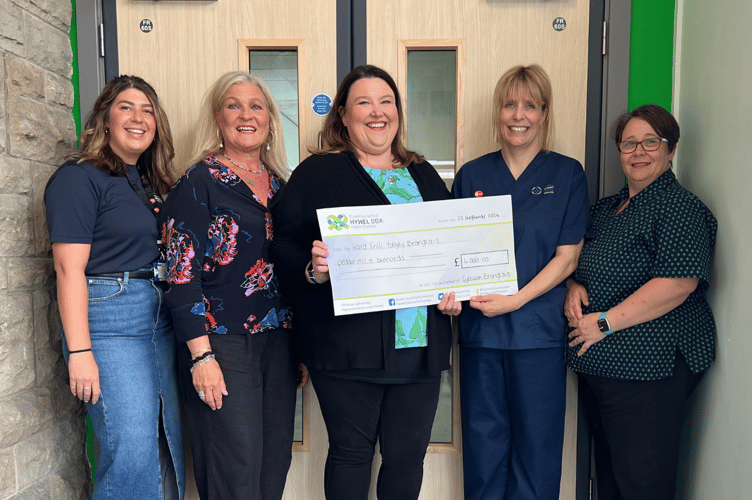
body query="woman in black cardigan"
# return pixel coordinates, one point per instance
(369, 386)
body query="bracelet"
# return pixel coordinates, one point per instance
(309, 274)
(198, 359)
(81, 350)
(201, 350)
(203, 361)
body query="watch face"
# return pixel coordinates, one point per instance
(603, 325)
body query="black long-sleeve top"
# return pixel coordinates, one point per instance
(359, 341)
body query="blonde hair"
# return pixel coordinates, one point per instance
(534, 80)
(95, 141)
(208, 138)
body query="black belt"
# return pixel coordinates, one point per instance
(133, 275)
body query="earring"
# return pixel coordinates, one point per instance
(107, 130)
(271, 138)
(221, 142)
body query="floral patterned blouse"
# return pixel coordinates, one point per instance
(217, 234)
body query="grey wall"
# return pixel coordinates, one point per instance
(714, 108)
(42, 426)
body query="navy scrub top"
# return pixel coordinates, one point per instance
(550, 208)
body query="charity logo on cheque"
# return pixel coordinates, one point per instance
(337, 222)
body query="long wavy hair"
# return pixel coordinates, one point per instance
(535, 81)
(95, 140)
(209, 140)
(334, 136)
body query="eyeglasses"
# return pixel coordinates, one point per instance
(647, 144)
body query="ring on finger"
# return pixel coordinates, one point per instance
(201, 395)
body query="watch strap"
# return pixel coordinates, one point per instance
(604, 325)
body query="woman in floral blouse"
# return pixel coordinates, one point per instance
(236, 362)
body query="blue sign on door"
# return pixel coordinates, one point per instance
(321, 104)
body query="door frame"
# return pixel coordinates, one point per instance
(607, 97)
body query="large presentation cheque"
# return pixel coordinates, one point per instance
(385, 257)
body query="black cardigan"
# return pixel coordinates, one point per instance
(357, 340)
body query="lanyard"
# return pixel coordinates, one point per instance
(149, 198)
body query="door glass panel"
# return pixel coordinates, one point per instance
(431, 107)
(431, 125)
(279, 69)
(298, 434)
(442, 424)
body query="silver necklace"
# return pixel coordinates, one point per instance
(247, 179)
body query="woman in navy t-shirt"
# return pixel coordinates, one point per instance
(117, 334)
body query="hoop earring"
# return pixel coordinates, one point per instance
(271, 138)
(107, 130)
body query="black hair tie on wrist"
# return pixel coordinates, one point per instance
(82, 350)
(202, 357)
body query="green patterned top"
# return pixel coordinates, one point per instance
(399, 187)
(665, 231)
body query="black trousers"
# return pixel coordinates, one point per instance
(636, 427)
(358, 413)
(243, 450)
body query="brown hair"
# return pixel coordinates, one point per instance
(664, 124)
(534, 80)
(209, 139)
(334, 136)
(95, 142)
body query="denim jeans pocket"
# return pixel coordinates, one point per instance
(104, 289)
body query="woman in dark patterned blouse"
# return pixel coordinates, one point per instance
(643, 332)
(236, 362)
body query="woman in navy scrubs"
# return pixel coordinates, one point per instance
(513, 382)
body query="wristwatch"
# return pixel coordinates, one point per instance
(603, 325)
(309, 273)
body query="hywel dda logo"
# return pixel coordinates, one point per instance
(338, 222)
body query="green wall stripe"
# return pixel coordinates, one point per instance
(74, 77)
(651, 53)
(76, 111)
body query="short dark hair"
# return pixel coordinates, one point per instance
(334, 136)
(664, 124)
(95, 144)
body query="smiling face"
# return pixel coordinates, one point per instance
(520, 121)
(643, 167)
(243, 119)
(131, 125)
(371, 117)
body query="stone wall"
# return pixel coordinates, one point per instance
(42, 427)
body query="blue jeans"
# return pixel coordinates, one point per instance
(137, 418)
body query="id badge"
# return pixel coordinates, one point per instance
(160, 270)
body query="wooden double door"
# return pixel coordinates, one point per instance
(182, 47)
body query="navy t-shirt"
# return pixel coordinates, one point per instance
(86, 204)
